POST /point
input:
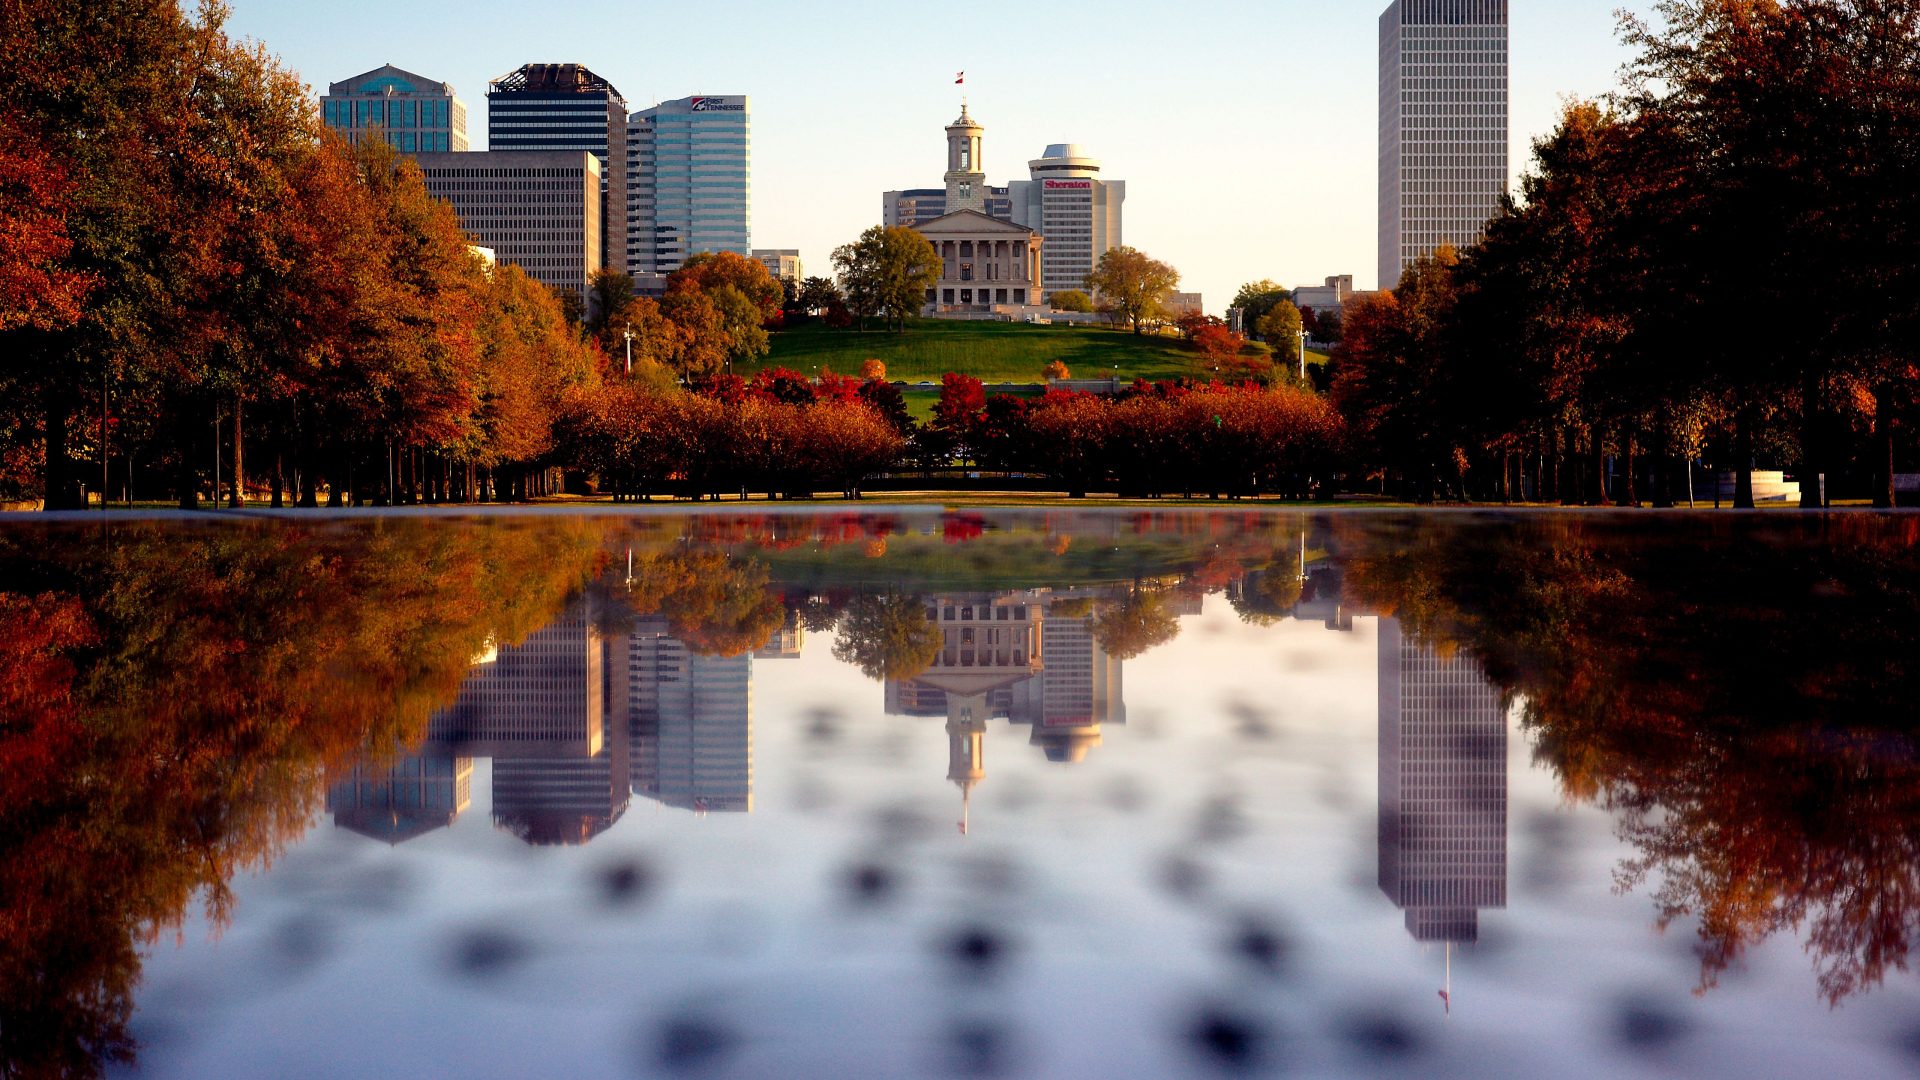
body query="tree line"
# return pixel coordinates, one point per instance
(203, 290)
(1720, 262)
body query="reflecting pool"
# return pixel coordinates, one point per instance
(977, 794)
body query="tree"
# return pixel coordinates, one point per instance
(1219, 347)
(887, 402)
(887, 273)
(888, 637)
(873, 369)
(608, 294)
(1072, 300)
(1055, 371)
(36, 291)
(1135, 286)
(1254, 300)
(1280, 327)
(1136, 625)
(957, 415)
(818, 295)
(711, 272)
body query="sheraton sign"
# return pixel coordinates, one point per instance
(1069, 185)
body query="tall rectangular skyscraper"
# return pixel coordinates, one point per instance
(689, 182)
(567, 107)
(1443, 126)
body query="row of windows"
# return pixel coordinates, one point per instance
(344, 113)
(408, 142)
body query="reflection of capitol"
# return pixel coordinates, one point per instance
(1024, 657)
(1443, 789)
(575, 721)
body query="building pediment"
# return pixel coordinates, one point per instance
(972, 223)
(388, 77)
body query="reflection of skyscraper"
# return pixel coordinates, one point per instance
(539, 710)
(410, 797)
(691, 719)
(1081, 691)
(542, 697)
(1443, 789)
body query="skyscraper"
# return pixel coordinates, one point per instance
(538, 211)
(418, 115)
(1077, 211)
(1443, 126)
(568, 107)
(689, 182)
(1443, 789)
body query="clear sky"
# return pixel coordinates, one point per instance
(1246, 129)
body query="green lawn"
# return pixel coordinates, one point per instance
(991, 352)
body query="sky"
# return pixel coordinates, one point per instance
(1246, 131)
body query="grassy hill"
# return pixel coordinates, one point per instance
(991, 352)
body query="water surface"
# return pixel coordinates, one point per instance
(960, 794)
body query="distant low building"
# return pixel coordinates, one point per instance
(1186, 303)
(1329, 297)
(783, 263)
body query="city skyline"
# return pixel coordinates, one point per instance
(1303, 138)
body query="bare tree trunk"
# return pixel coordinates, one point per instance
(239, 498)
(1743, 458)
(1812, 457)
(60, 493)
(1625, 489)
(1884, 494)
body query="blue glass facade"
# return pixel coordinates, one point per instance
(690, 182)
(416, 115)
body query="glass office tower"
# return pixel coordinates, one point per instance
(689, 182)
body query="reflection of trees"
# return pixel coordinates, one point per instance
(888, 637)
(1266, 597)
(1135, 624)
(173, 700)
(717, 604)
(1744, 706)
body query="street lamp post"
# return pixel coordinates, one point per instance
(1303, 354)
(628, 334)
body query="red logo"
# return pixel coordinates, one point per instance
(1069, 185)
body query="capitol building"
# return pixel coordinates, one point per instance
(1006, 250)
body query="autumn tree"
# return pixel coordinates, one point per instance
(888, 637)
(1256, 299)
(1071, 300)
(1133, 285)
(887, 273)
(1280, 326)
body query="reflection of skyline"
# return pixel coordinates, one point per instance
(1443, 789)
(539, 710)
(690, 718)
(408, 798)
